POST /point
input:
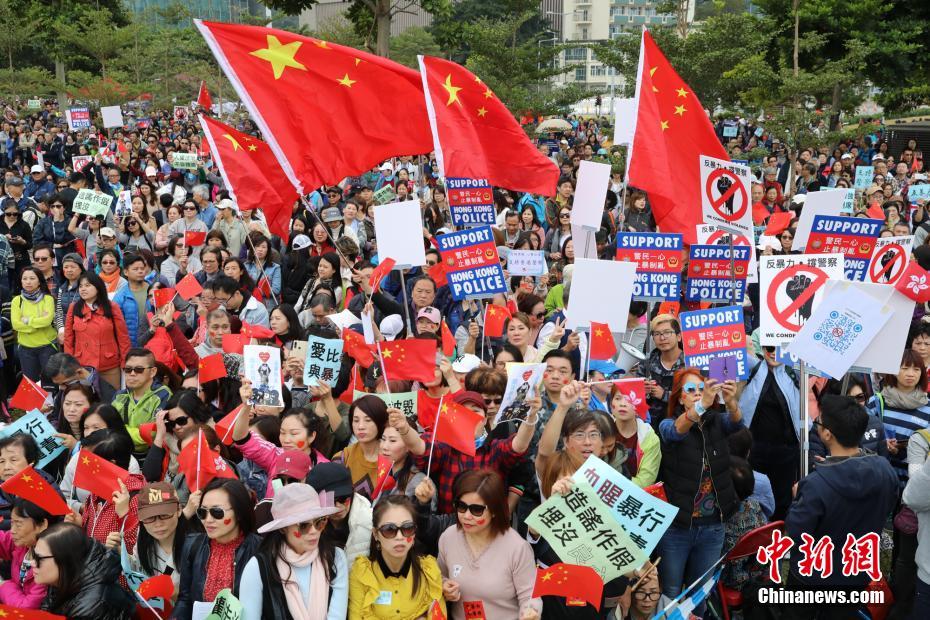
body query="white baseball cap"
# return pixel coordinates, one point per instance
(301, 242)
(36, 168)
(391, 326)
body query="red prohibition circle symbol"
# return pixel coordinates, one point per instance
(893, 268)
(736, 191)
(784, 316)
(717, 235)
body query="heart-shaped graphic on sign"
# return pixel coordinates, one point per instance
(527, 375)
(264, 356)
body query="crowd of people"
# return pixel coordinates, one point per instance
(306, 528)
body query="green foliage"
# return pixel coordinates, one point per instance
(413, 41)
(339, 30)
(95, 34)
(27, 81)
(447, 29)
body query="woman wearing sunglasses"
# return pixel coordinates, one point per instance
(298, 571)
(81, 575)
(395, 580)
(215, 560)
(17, 547)
(161, 537)
(694, 439)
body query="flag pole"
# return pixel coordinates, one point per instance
(146, 603)
(387, 382)
(432, 443)
(403, 290)
(199, 438)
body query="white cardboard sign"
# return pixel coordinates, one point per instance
(601, 291)
(399, 231)
(112, 116)
(826, 202)
(624, 120)
(590, 192)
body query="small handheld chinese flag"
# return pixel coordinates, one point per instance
(437, 611)
(234, 343)
(353, 343)
(657, 490)
(455, 426)
(211, 367)
(28, 396)
(18, 613)
(385, 481)
(256, 331)
(163, 296)
(411, 359)
(203, 97)
(759, 214)
(437, 273)
(571, 581)
(224, 427)
(494, 318)
(380, 272)
(448, 340)
(193, 238)
(159, 586)
(32, 487)
(914, 283)
(779, 222)
(98, 476)
(200, 464)
(188, 287)
(602, 342)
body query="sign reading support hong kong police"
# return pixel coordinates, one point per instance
(711, 275)
(471, 202)
(717, 332)
(473, 268)
(658, 258)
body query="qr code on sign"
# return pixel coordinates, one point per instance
(837, 332)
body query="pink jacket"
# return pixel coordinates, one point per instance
(264, 454)
(25, 595)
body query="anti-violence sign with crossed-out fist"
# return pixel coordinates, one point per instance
(790, 289)
(725, 195)
(889, 259)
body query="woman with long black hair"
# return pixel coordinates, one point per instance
(162, 535)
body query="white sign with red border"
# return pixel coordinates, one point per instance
(725, 200)
(889, 259)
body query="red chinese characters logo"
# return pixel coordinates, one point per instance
(859, 555)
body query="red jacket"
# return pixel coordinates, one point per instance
(95, 340)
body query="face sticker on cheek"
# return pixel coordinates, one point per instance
(301, 444)
(297, 534)
(479, 521)
(227, 521)
(565, 381)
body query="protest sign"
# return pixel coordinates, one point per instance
(471, 202)
(225, 607)
(184, 161)
(790, 289)
(34, 104)
(624, 120)
(824, 202)
(36, 425)
(889, 259)
(590, 192)
(715, 333)
(526, 263)
(473, 269)
(725, 195)
(324, 359)
(263, 369)
(864, 176)
(849, 202)
(79, 161)
(399, 231)
(711, 277)
(658, 258)
(853, 237)
(729, 131)
(918, 192)
(384, 195)
(405, 401)
(840, 329)
(124, 204)
(643, 516)
(592, 300)
(112, 116)
(78, 118)
(180, 112)
(885, 356)
(88, 202)
(708, 234)
(581, 529)
(522, 381)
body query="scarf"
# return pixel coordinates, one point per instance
(35, 296)
(221, 567)
(899, 399)
(318, 606)
(112, 280)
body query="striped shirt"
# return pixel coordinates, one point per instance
(903, 423)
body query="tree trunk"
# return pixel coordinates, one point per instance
(683, 18)
(835, 108)
(383, 23)
(60, 79)
(797, 39)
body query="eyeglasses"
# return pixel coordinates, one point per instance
(389, 530)
(318, 524)
(42, 258)
(58, 205)
(41, 558)
(493, 401)
(564, 216)
(647, 596)
(181, 420)
(190, 208)
(136, 370)
(10, 214)
(666, 333)
(475, 509)
(691, 387)
(860, 398)
(152, 520)
(581, 436)
(216, 512)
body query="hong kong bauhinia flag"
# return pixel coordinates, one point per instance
(310, 98)
(672, 132)
(470, 125)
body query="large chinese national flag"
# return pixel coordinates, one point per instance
(326, 110)
(252, 173)
(471, 125)
(672, 131)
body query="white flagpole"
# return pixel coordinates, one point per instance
(432, 443)
(431, 113)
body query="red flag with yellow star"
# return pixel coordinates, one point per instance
(203, 97)
(576, 583)
(252, 173)
(211, 367)
(32, 487)
(470, 125)
(307, 96)
(455, 425)
(17, 613)
(603, 346)
(385, 481)
(672, 132)
(411, 359)
(98, 476)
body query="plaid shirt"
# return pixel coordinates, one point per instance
(448, 463)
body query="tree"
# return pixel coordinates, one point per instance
(95, 34)
(18, 24)
(413, 41)
(447, 28)
(369, 16)
(678, 8)
(339, 30)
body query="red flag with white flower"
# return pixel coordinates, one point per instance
(200, 464)
(635, 391)
(914, 283)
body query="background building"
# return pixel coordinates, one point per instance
(325, 10)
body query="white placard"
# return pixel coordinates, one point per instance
(368, 329)
(590, 193)
(526, 262)
(523, 380)
(825, 202)
(885, 357)
(262, 366)
(601, 291)
(624, 120)
(399, 231)
(841, 328)
(112, 116)
(725, 195)
(584, 242)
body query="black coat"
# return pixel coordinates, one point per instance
(98, 595)
(193, 568)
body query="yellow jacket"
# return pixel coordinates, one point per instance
(38, 330)
(372, 595)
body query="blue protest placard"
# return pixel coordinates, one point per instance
(658, 258)
(711, 277)
(918, 192)
(471, 202)
(644, 517)
(853, 237)
(729, 131)
(37, 425)
(716, 332)
(473, 268)
(864, 176)
(849, 202)
(324, 358)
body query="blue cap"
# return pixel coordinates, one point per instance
(605, 367)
